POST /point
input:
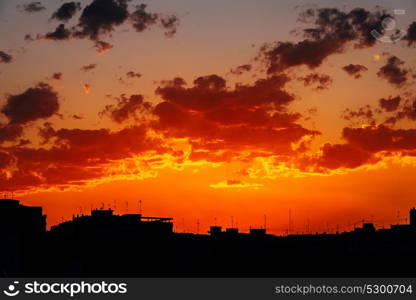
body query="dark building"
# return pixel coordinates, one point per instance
(22, 229)
(17, 218)
(412, 214)
(102, 220)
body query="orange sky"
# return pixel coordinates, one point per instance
(210, 113)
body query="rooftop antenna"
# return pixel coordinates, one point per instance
(127, 206)
(215, 221)
(197, 226)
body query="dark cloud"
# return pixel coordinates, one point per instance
(10, 132)
(101, 17)
(5, 58)
(102, 46)
(241, 69)
(320, 81)
(39, 102)
(141, 19)
(411, 34)
(132, 74)
(72, 156)
(332, 30)
(170, 24)
(32, 7)
(217, 118)
(390, 104)
(355, 70)
(381, 138)
(393, 71)
(342, 156)
(408, 111)
(66, 11)
(126, 108)
(363, 115)
(77, 117)
(60, 34)
(57, 76)
(89, 67)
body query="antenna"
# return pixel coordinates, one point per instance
(197, 226)
(215, 221)
(127, 206)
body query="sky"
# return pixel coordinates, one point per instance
(230, 113)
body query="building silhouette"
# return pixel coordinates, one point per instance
(22, 229)
(105, 244)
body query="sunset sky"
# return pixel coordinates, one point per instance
(211, 112)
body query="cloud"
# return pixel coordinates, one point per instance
(57, 76)
(342, 156)
(60, 34)
(407, 111)
(102, 47)
(66, 11)
(231, 183)
(331, 32)
(355, 70)
(393, 71)
(132, 74)
(89, 67)
(126, 108)
(10, 132)
(411, 34)
(87, 88)
(322, 81)
(170, 24)
(241, 69)
(363, 115)
(39, 102)
(32, 7)
(100, 19)
(390, 104)
(73, 157)
(5, 58)
(142, 20)
(380, 138)
(216, 118)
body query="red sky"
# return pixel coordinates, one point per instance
(210, 112)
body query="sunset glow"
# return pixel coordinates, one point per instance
(210, 110)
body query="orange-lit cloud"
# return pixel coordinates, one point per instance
(87, 88)
(230, 183)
